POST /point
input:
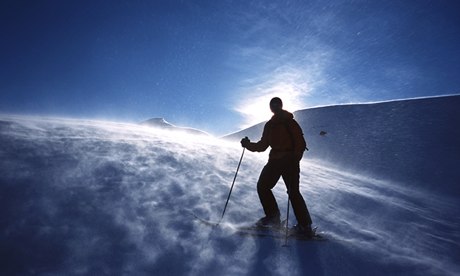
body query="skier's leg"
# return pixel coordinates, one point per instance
(291, 177)
(267, 180)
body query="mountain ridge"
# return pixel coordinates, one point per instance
(163, 124)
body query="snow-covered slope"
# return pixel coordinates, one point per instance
(99, 198)
(414, 141)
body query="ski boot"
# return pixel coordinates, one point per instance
(304, 231)
(269, 221)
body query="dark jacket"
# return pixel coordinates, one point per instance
(283, 134)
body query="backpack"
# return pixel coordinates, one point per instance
(289, 130)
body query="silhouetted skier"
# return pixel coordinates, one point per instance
(284, 135)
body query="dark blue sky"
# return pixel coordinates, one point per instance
(214, 65)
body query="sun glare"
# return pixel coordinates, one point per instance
(287, 86)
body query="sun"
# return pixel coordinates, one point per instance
(256, 108)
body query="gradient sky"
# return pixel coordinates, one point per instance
(214, 65)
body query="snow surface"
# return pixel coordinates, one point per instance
(103, 198)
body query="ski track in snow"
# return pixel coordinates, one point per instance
(86, 197)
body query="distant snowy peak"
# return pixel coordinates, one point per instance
(158, 122)
(162, 123)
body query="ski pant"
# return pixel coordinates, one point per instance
(288, 168)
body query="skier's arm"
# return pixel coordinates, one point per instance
(260, 146)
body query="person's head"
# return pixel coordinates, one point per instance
(276, 105)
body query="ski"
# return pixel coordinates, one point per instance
(232, 226)
(262, 231)
(278, 233)
(206, 222)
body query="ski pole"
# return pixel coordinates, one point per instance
(231, 188)
(287, 217)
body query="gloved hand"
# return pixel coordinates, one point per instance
(245, 142)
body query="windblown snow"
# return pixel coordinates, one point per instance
(84, 197)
